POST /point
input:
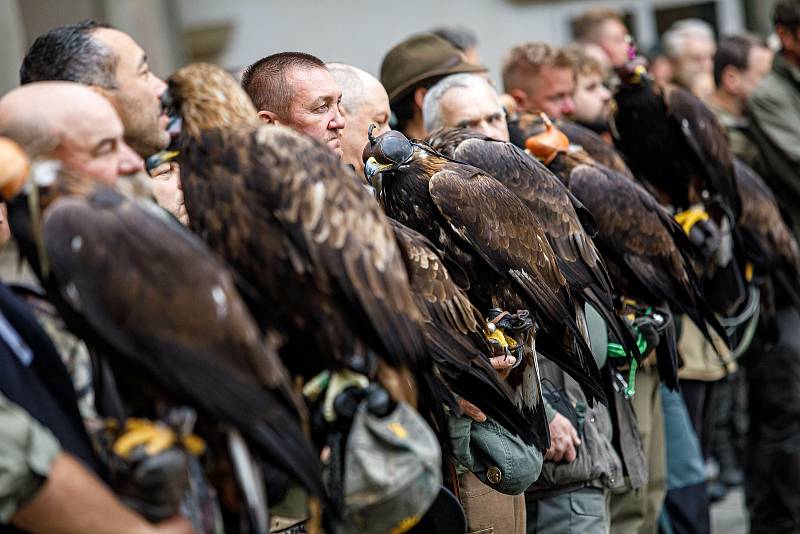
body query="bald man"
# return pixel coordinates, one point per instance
(364, 102)
(72, 123)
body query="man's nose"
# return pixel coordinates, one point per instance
(337, 122)
(157, 85)
(567, 106)
(129, 161)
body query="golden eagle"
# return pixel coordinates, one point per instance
(455, 332)
(491, 235)
(674, 142)
(648, 255)
(148, 295)
(566, 222)
(767, 242)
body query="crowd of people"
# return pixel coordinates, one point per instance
(300, 298)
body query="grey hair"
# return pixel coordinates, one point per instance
(350, 83)
(431, 111)
(674, 39)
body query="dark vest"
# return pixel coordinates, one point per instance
(43, 388)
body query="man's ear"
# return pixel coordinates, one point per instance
(786, 36)
(520, 98)
(730, 79)
(269, 117)
(419, 96)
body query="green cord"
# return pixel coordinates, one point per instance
(630, 391)
(615, 350)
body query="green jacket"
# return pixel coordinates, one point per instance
(774, 110)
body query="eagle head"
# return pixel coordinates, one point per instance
(545, 146)
(386, 152)
(205, 97)
(634, 73)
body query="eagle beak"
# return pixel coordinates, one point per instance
(14, 168)
(372, 168)
(160, 157)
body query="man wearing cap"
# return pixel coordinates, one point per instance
(410, 68)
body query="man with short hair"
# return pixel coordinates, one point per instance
(110, 62)
(410, 68)
(773, 463)
(591, 97)
(69, 122)
(605, 29)
(690, 45)
(539, 78)
(364, 102)
(297, 90)
(465, 101)
(741, 62)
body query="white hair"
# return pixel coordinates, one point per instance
(432, 111)
(674, 39)
(351, 84)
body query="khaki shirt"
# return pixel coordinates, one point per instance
(700, 360)
(27, 451)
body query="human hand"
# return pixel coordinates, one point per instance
(503, 365)
(471, 410)
(563, 440)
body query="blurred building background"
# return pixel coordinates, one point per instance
(235, 33)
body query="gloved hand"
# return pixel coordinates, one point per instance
(148, 463)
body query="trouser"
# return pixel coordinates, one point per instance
(698, 396)
(636, 510)
(686, 504)
(773, 459)
(729, 423)
(488, 510)
(583, 511)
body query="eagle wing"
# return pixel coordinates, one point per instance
(154, 294)
(302, 224)
(768, 242)
(707, 140)
(506, 234)
(554, 206)
(646, 245)
(454, 333)
(602, 152)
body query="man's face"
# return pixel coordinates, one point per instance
(551, 92)
(759, 63)
(613, 39)
(592, 99)
(696, 61)
(477, 108)
(314, 108)
(137, 94)
(92, 144)
(373, 108)
(165, 182)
